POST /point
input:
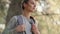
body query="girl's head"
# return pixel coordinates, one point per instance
(29, 5)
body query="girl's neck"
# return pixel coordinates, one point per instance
(26, 13)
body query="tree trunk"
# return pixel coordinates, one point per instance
(15, 9)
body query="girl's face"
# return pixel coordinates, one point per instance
(30, 6)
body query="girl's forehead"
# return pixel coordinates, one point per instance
(32, 1)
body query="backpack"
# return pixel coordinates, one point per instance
(18, 20)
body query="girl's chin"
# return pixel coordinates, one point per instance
(32, 11)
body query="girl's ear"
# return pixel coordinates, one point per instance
(25, 5)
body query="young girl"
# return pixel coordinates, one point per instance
(24, 23)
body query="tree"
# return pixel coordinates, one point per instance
(15, 9)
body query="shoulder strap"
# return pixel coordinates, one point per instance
(32, 19)
(20, 22)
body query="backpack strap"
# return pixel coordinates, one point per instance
(20, 22)
(32, 20)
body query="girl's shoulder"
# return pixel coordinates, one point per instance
(16, 17)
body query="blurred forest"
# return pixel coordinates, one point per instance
(47, 14)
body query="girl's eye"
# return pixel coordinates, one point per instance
(32, 3)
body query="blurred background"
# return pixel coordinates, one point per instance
(47, 14)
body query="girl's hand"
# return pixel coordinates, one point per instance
(35, 29)
(20, 28)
